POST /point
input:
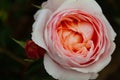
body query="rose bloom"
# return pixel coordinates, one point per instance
(77, 37)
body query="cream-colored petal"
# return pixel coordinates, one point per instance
(38, 27)
(36, 15)
(52, 4)
(110, 32)
(61, 73)
(88, 6)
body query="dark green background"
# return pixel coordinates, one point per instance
(16, 19)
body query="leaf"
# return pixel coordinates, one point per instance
(21, 43)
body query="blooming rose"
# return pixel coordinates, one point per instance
(77, 36)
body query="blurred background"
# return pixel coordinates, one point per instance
(16, 19)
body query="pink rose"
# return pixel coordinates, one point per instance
(77, 37)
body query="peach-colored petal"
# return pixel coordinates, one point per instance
(60, 73)
(100, 64)
(38, 27)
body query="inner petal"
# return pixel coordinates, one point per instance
(74, 35)
(84, 28)
(73, 39)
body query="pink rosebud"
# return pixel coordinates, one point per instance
(33, 51)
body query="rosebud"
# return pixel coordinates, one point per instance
(33, 51)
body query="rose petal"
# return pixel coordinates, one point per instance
(92, 7)
(110, 32)
(100, 64)
(63, 74)
(38, 27)
(37, 14)
(55, 4)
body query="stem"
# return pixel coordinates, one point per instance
(11, 55)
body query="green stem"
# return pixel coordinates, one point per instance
(11, 55)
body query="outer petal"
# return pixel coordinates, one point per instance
(64, 74)
(110, 32)
(38, 27)
(88, 6)
(55, 4)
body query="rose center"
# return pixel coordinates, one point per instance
(75, 35)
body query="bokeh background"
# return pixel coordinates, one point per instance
(16, 19)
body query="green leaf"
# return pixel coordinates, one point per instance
(21, 43)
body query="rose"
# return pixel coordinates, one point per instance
(77, 36)
(33, 51)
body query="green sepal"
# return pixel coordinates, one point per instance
(21, 43)
(37, 6)
(29, 60)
